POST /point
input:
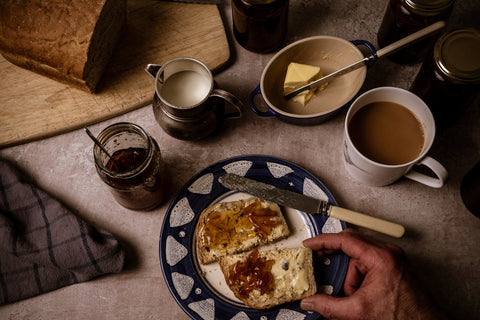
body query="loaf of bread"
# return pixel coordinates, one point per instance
(238, 226)
(264, 279)
(70, 41)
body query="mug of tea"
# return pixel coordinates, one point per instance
(389, 131)
(186, 103)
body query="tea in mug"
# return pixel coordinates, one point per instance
(387, 133)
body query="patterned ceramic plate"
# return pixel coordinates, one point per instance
(201, 290)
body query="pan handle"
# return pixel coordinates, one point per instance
(373, 58)
(251, 101)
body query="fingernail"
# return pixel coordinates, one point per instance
(307, 306)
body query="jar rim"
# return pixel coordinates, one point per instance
(428, 7)
(110, 132)
(456, 55)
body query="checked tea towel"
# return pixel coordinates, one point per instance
(43, 245)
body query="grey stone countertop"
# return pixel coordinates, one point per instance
(442, 239)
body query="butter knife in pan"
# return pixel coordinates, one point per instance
(308, 204)
(408, 40)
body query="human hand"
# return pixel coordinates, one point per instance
(378, 284)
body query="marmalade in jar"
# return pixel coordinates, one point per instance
(135, 173)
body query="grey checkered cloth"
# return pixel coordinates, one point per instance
(43, 245)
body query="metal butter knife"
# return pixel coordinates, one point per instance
(408, 40)
(308, 204)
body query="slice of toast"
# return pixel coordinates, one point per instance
(238, 226)
(264, 279)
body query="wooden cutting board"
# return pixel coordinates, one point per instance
(34, 107)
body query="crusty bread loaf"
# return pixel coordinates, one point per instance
(67, 40)
(238, 226)
(263, 279)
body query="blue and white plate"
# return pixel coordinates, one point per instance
(201, 291)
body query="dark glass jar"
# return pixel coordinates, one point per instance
(404, 17)
(450, 76)
(260, 25)
(135, 176)
(470, 189)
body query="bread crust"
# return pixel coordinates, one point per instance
(243, 237)
(293, 277)
(68, 41)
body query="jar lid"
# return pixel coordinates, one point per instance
(457, 55)
(428, 7)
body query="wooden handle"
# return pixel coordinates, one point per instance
(411, 38)
(359, 219)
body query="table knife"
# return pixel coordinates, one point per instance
(391, 48)
(308, 204)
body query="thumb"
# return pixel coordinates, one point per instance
(331, 307)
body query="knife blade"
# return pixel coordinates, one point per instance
(329, 77)
(308, 204)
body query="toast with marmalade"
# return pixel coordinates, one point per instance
(264, 279)
(238, 226)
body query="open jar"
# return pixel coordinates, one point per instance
(135, 171)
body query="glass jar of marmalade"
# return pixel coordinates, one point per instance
(260, 25)
(404, 17)
(133, 168)
(450, 76)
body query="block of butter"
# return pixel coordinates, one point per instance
(298, 75)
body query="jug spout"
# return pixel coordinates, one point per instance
(152, 69)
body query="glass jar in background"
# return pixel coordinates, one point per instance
(260, 25)
(450, 76)
(135, 173)
(404, 17)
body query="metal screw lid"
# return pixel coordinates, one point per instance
(428, 7)
(457, 55)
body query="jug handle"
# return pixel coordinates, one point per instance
(232, 100)
(152, 69)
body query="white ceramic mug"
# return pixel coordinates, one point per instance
(373, 173)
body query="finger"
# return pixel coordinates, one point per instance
(349, 242)
(353, 279)
(332, 307)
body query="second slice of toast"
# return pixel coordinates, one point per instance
(264, 279)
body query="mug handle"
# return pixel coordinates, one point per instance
(437, 169)
(251, 101)
(232, 100)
